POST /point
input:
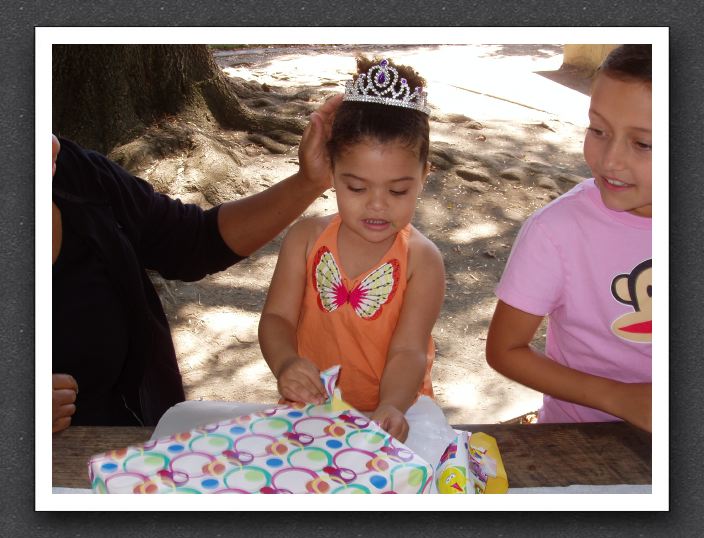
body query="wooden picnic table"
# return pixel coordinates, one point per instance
(536, 455)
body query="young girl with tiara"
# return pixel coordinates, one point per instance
(363, 287)
(585, 262)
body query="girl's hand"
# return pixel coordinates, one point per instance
(633, 402)
(391, 420)
(63, 397)
(298, 380)
(313, 153)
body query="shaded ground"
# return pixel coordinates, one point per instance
(506, 135)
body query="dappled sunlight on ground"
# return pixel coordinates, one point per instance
(223, 328)
(473, 231)
(238, 324)
(461, 393)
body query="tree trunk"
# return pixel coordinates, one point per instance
(107, 95)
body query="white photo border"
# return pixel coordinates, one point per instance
(45, 37)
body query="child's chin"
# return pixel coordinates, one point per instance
(607, 198)
(640, 210)
(610, 205)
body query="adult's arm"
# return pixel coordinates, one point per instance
(249, 223)
(181, 241)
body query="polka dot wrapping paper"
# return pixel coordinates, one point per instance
(287, 449)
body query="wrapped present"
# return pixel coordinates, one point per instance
(471, 464)
(300, 448)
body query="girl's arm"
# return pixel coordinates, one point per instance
(407, 356)
(297, 379)
(508, 351)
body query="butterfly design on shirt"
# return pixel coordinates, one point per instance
(366, 298)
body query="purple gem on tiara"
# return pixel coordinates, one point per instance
(381, 78)
(384, 63)
(404, 82)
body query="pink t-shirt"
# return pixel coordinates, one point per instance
(589, 269)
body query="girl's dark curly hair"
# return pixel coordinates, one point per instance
(356, 121)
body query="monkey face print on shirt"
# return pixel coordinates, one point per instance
(635, 289)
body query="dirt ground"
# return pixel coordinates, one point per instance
(506, 136)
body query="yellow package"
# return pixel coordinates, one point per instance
(471, 464)
(485, 464)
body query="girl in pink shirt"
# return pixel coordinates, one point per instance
(585, 262)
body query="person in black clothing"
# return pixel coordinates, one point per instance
(113, 359)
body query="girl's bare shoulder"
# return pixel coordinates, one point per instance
(422, 251)
(306, 230)
(422, 247)
(426, 269)
(310, 225)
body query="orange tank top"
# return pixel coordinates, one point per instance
(351, 322)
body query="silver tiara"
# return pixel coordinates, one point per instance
(381, 85)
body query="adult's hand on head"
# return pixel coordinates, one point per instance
(63, 397)
(313, 154)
